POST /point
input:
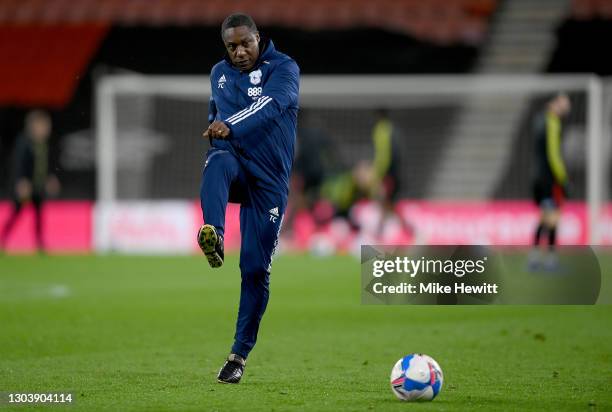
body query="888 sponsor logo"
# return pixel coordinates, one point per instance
(254, 91)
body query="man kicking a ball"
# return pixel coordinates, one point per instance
(253, 117)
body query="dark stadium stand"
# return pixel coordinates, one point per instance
(581, 47)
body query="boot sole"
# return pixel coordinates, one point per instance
(207, 240)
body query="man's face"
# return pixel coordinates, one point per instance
(242, 46)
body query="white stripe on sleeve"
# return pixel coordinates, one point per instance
(245, 111)
(260, 104)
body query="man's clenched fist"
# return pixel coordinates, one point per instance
(217, 130)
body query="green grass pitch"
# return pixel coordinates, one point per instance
(150, 333)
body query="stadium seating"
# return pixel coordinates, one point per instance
(441, 21)
(591, 9)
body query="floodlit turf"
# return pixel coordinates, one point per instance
(150, 333)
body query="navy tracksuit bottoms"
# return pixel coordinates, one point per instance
(261, 212)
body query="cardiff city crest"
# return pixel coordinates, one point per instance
(255, 76)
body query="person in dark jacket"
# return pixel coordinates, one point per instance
(253, 119)
(551, 180)
(32, 180)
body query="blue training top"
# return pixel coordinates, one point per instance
(260, 108)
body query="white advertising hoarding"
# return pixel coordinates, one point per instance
(161, 227)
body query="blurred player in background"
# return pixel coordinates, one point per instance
(253, 120)
(377, 179)
(32, 180)
(385, 185)
(551, 181)
(343, 190)
(386, 158)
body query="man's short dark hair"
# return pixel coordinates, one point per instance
(237, 20)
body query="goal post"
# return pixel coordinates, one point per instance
(595, 157)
